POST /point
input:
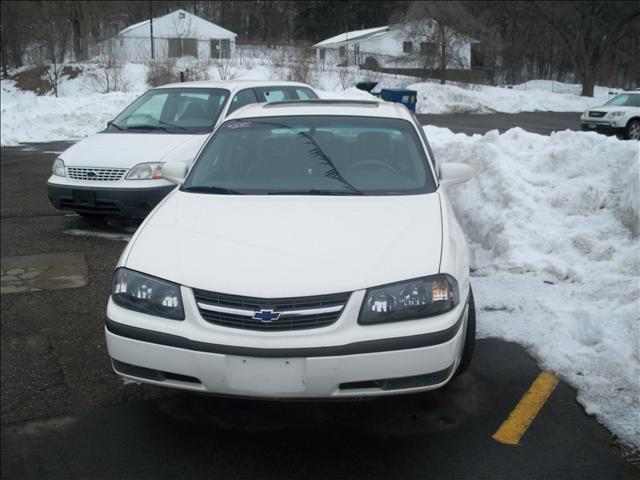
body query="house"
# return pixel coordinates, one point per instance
(413, 45)
(175, 35)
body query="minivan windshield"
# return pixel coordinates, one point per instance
(625, 100)
(172, 110)
(312, 155)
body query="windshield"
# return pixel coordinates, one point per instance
(313, 155)
(173, 110)
(625, 100)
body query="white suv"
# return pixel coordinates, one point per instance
(117, 171)
(310, 252)
(619, 116)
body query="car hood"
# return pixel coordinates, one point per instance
(280, 246)
(124, 150)
(609, 108)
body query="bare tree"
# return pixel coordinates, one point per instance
(435, 28)
(591, 31)
(52, 33)
(107, 77)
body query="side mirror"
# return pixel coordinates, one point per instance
(452, 173)
(175, 172)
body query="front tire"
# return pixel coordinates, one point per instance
(469, 337)
(633, 130)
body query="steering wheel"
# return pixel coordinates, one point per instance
(378, 163)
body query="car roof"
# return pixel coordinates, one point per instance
(359, 108)
(234, 84)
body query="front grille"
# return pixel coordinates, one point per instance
(295, 313)
(597, 114)
(97, 174)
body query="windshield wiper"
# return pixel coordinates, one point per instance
(111, 124)
(211, 189)
(147, 127)
(315, 191)
(173, 125)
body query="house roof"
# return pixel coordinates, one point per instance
(178, 24)
(354, 35)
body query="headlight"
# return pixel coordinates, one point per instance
(615, 114)
(422, 297)
(145, 171)
(58, 167)
(146, 294)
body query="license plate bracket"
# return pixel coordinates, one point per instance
(593, 125)
(84, 198)
(267, 375)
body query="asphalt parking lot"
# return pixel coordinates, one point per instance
(66, 415)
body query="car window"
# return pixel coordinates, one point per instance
(305, 94)
(625, 100)
(173, 110)
(150, 108)
(274, 94)
(242, 98)
(313, 155)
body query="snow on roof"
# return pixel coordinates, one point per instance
(354, 35)
(178, 24)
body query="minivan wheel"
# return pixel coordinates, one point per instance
(633, 130)
(469, 338)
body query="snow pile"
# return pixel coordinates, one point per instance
(436, 98)
(27, 117)
(553, 226)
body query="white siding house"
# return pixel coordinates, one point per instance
(176, 35)
(406, 46)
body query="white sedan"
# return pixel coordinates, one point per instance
(311, 251)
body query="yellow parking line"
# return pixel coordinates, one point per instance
(525, 412)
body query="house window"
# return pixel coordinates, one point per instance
(407, 47)
(428, 49)
(180, 47)
(322, 54)
(189, 47)
(341, 51)
(220, 48)
(225, 45)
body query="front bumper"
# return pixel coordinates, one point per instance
(601, 127)
(127, 202)
(381, 366)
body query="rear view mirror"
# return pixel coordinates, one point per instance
(452, 173)
(175, 172)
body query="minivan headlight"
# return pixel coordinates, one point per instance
(408, 300)
(58, 167)
(145, 171)
(615, 114)
(147, 294)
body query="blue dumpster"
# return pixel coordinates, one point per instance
(409, 98)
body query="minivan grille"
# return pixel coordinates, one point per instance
(274, 314)
(98, 174)
(597, 114)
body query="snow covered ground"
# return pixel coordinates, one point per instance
(553, 226)
(530, 97)
(80, 110)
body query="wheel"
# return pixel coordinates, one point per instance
(469, 338)
(633, 130)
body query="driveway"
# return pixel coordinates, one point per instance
(543, 123)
